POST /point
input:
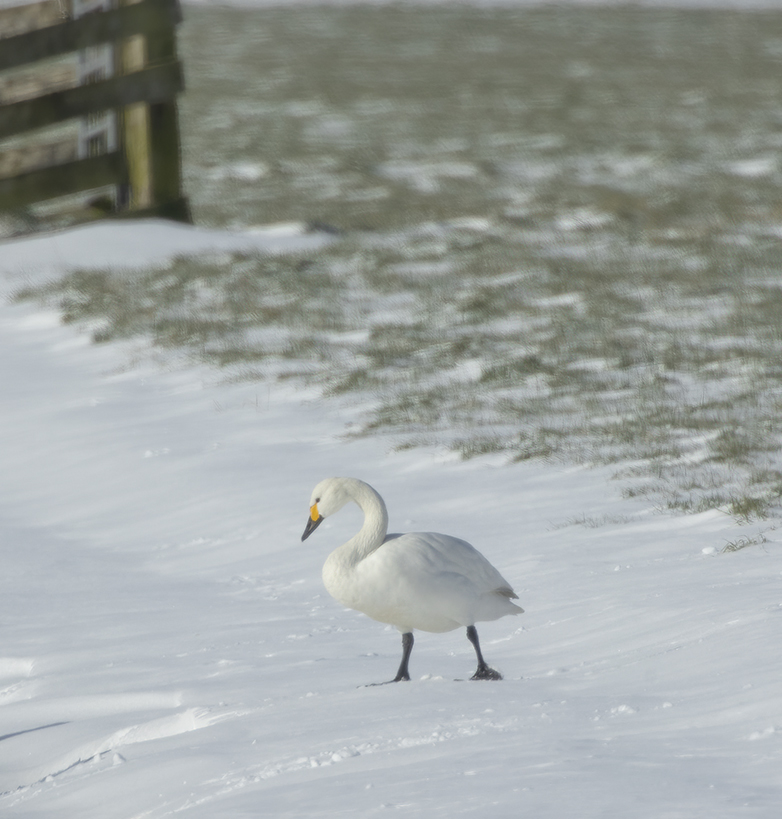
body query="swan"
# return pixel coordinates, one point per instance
(418, 580)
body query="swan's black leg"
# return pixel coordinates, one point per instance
(484, 672)
(403, 673)
(407, 647)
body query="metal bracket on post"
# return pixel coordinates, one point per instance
(98, 131)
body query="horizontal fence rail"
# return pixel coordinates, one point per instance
(157, 84)
(90, 30)
(61, 180)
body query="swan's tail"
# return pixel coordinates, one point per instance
(509, 594)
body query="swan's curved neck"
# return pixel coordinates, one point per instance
(375, 526)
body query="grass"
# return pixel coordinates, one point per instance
(744, 541)
(558, 232)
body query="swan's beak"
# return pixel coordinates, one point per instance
(314, 521)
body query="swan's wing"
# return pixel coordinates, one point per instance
(431, 582)
(430, 554)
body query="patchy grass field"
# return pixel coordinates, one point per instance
(558, 232)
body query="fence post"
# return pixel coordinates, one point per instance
(151, 131)
(135, 128)
(164, 133)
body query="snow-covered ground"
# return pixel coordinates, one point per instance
(167, 646)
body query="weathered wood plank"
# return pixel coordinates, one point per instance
(35, 82)
(19, 19)
(156, 84)
(92, 29)
(61, 180)
(19, 160)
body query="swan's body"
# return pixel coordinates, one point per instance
(419, 580)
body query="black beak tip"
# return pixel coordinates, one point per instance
(311, 526)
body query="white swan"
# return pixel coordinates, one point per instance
(419, 580)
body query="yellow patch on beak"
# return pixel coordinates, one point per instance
(314, 514)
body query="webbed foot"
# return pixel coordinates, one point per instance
(484, 672)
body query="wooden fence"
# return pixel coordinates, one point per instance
(125, 107)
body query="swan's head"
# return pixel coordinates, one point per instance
(328, 497)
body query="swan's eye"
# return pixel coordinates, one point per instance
(317, 500)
